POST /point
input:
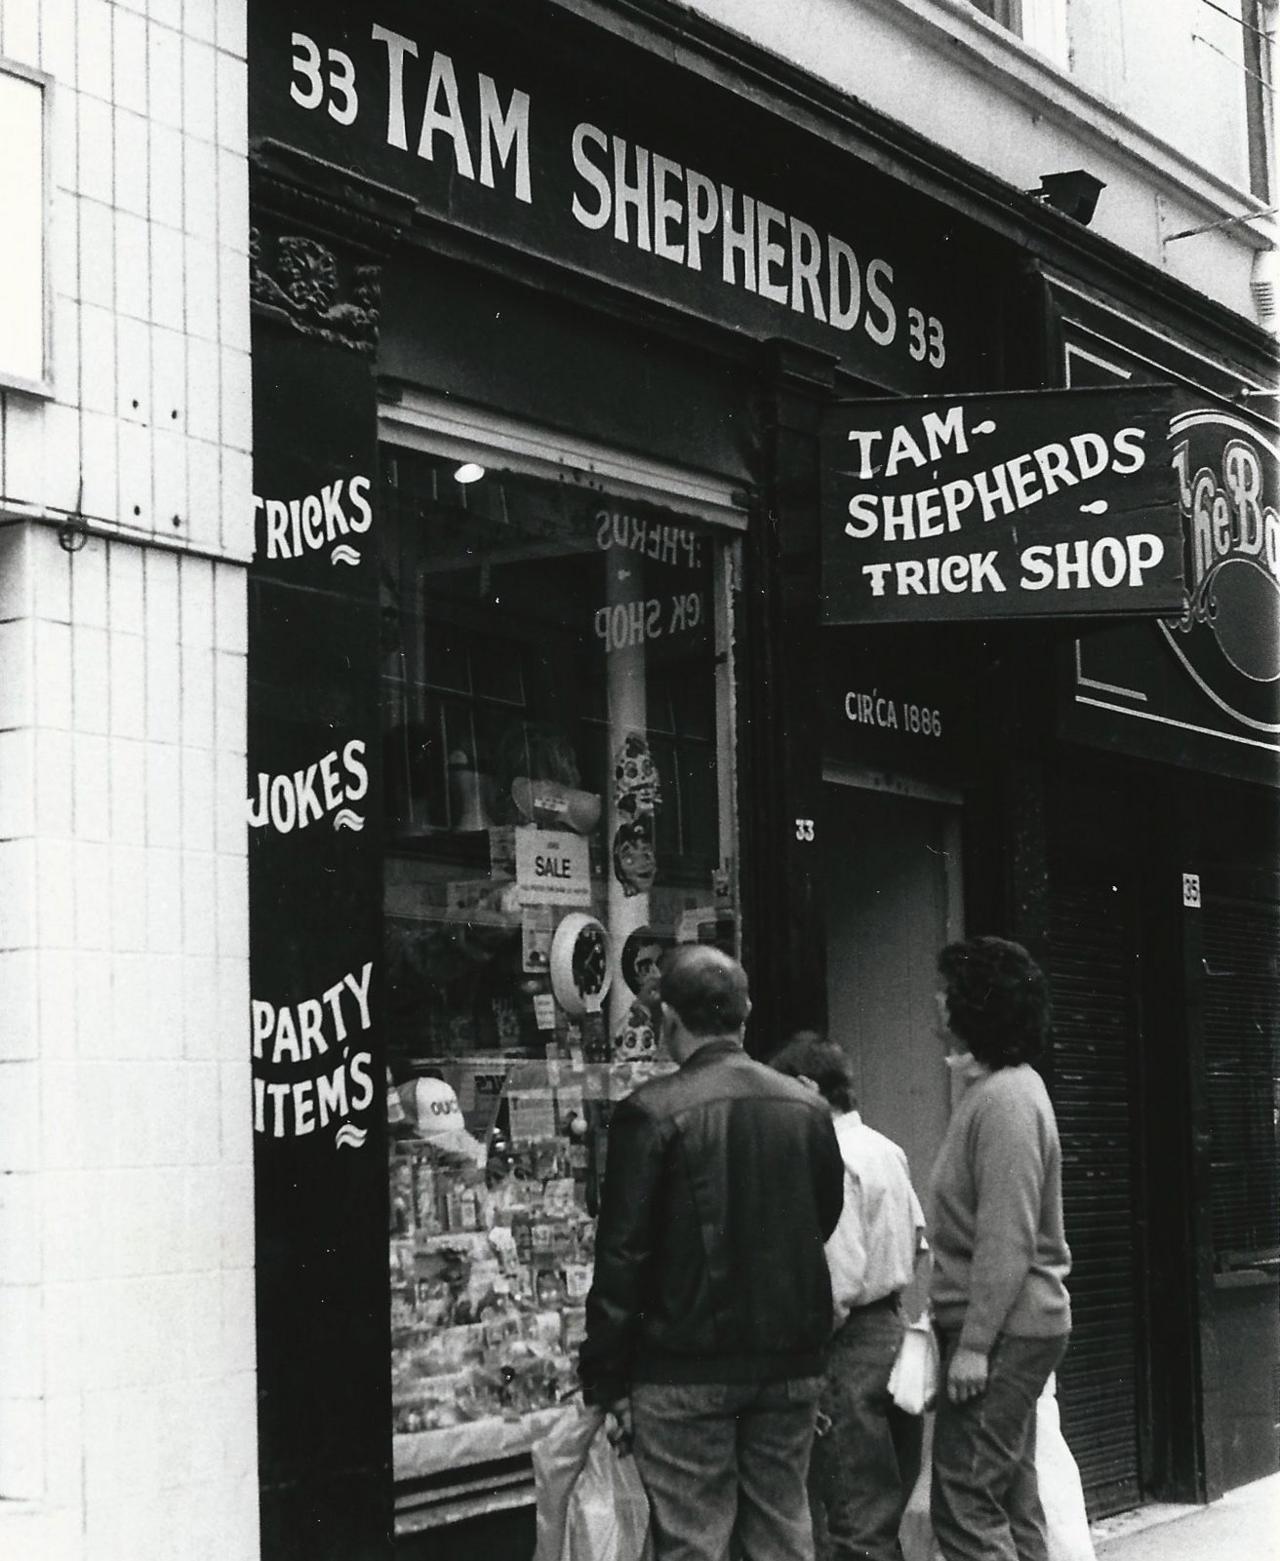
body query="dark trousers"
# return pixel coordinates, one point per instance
(867, 1457)
(724, 1466)
(985, 1502)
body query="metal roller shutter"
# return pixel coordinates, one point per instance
(1093, 1074)
(1241, 996)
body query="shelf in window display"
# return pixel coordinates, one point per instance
(503, 1370)
(613, 1080)
(538, 1332)
(422, 1453)
(405, 904)
(439, 844)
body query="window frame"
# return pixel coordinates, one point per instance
(1257, 23)
(1004, 13)
(11, 380)
(441, 426)
(1040, 24)
(438, 429)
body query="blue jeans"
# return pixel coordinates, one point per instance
(865, 1462)
(724, 1465)
(985, 1502)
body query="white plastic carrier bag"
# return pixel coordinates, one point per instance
(591, 1504)
(913, 1382)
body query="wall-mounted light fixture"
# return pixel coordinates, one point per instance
(469, 471)
(1074, 194)
(1264, 284)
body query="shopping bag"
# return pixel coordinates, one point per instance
(1061, 1493)
(558, 1458)
(608, 1509)
(1058, 1479)
(591, 1505)
(913, 1382)
(915, 1532)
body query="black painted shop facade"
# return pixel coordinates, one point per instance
(511, 736)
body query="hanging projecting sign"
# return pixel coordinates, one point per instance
(1229, 490)
(1202, 687)
(1050, 503)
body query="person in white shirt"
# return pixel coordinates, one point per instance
(867, 1455)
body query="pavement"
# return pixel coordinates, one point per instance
(1243, 1525)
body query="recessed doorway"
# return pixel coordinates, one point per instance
(893, 896)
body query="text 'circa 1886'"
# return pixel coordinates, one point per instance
(1038, 503)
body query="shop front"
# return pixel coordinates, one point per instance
(547, 319)
(542, 325)
(1101, 774)
(965, 542)
(1162, 897)
(559, 801)
(900, 752)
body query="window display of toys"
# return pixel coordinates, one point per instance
(490, 1270)
(477, 1313)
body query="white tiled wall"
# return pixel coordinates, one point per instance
(127, 1381)
(127, 1414)
(150, 426)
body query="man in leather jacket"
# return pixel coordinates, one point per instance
(711, 1302)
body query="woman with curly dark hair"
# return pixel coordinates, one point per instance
(1000, 1258)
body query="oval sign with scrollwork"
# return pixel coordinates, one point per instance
(1228, 638)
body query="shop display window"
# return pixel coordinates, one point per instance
(557, 704)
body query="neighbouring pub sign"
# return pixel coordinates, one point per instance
(1228, 639)
(1202, 686)
(1020, 504)
(528, 127)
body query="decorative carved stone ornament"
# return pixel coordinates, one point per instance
(302, 280)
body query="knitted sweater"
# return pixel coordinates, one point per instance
(995, 1216)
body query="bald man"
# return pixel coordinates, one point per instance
(711, 1302)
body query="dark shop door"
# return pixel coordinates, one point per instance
(1240, 1003)
(893, 894)
(1094, 1070)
